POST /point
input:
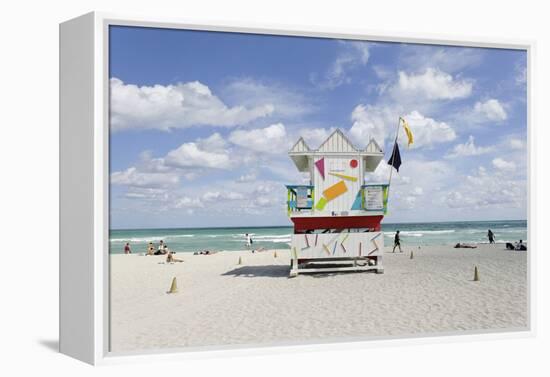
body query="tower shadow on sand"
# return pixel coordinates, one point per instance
(259, 271)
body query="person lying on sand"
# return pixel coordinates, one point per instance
(204, 252)
(464, 246)
(260, 249)
(170, 258)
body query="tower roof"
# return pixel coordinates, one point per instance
(337, 144)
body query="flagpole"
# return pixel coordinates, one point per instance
(393, 154)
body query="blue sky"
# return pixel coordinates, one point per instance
(201, 123)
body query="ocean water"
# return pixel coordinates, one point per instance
(190, 240)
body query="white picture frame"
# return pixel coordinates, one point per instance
(84, 182)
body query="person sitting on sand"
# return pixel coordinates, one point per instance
(127, 249)
(150, 249)
(397, 242)
(170, 258)
(464, 246)
(162, 249)
(520, 245)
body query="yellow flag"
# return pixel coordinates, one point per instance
(408, 131)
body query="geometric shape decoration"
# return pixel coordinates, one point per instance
(353, 163)
(345, 238)
(343, 176)
(345, 251)
(375, 247)
(334, 249)
(357, 203)
(320, 165)
(333, 239)
(326, 249)
(321, 204)
(359, 248)
(334, 191)
(307, 241)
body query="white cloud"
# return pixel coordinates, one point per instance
(213, 143)
(468, 149)
(353, 55)
(383, 72)
(192, 155)
(515, 143)
(271, 139)
(133, 177)
(188, 202)
(427, 131)
(482, 190)
(246, 178)
(521, 74)
(287, 102)
(175, 106)
(449, 59)
(433, 84)
(418, 185)
(491, 109)
(212, 196)
(379, 122)
(314, 137)
(504, 165)
(147, 193)
(371, 122)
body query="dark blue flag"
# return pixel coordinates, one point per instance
(395, 159)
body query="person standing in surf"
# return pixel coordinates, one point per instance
(491, 236)
(248, 241)
(397, 242)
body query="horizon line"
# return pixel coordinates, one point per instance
(290, 226)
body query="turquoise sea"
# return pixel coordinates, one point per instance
(190, 240)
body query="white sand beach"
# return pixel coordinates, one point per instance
(222, 303)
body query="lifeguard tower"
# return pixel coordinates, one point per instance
(337, 216)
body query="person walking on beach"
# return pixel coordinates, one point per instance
(491, 236)
(397, 242)
(127, 249)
